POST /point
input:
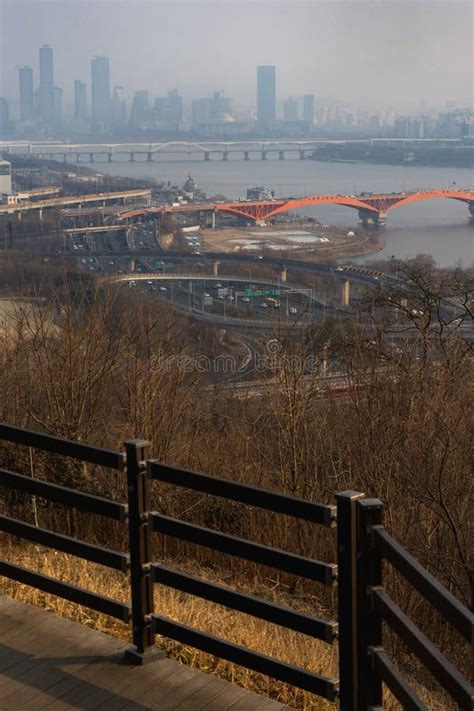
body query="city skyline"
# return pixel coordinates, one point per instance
(374, 75)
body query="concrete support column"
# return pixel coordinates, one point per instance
(345, 295)
(281, 155)
(213, 219)
(132, 266)
(225, 155)
(215, 267)
(149, 157)
(367, 217)
(64, 157)
(110, 157)
(246, 155)
(284, 275)
(264, 155)
(471, 208)
(132, 157)
(40, 214)
(302, 155)
(78, 157)
(91, 157)
(207, 155)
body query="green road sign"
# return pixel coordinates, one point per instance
(263, 292)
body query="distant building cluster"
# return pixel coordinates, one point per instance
(101, 108)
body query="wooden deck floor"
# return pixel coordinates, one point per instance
(47, 662)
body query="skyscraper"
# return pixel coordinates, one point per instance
(46, 92)
(290, 110)
(139, 113)
(266, 94)
(80, 100)
(58, 106)
(308, 109)
(26, 94)
(100, 76)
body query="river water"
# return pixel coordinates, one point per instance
(438, 227)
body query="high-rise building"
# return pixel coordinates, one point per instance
(290, 110)
(118, 106)
(58, 106)
(27, 111)
(139, 114)
(266, 94)
(80, 100)
(4, 116)
(46, 87)
(308, 109)
(100, 81)
(169, 109)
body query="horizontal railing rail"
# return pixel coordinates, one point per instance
(325, 515)
(452, 610)
(314, 683)
(73, 593)
(241, 548)
(68, 448)
(251, 605)
(63, 495)
(66, 544)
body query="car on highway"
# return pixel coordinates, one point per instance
(163, 288)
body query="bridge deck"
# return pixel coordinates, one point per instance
(47, 662)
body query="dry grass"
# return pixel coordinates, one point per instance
(250, 632)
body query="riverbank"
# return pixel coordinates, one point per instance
(300, 239)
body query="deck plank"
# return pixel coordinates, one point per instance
(49, 663)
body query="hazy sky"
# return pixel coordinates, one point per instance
(387, 52)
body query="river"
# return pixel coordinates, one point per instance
(438, 227)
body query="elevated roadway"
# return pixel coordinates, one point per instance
(103, 199)
(372, 208)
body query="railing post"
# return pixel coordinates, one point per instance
(347, 597)
(369, 626)
(143, 650)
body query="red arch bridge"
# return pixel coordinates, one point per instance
(372, 208)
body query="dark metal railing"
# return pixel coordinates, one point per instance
(276, 558)
(74, 499)
(375, 606)
(362, 546)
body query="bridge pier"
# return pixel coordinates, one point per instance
(302, 155)
(281, 155)
(368, 217)
(345, 293)
(109, 158)
(246, 155)
(213, 220)
(132, 156)
(149, 157)
(207, 155)
(215, 267)
(225, 155)
(264, 155)
(91, 157)
(471, 208)
(284, 275)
